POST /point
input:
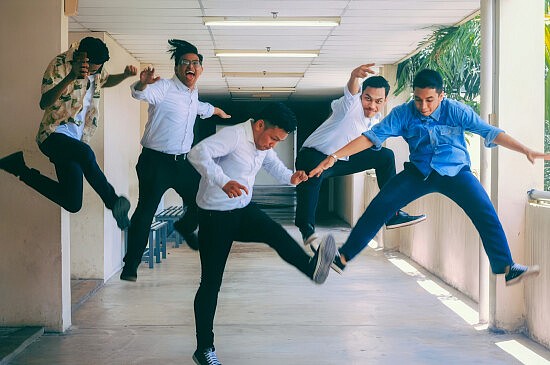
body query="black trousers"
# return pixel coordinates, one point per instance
(307, 193)
(72, 159)
(158, 172)
(217, 231)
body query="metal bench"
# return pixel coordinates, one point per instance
(170, 215)
(156, 246)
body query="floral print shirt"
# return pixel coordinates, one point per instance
(70, 102)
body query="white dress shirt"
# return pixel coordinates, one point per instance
(228, 155)
(173, 108)
(346, 123)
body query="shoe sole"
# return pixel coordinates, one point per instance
(327, 251)
(333, 266)
(404, 224)
(310, 240)
(128, 278)
(532, 271)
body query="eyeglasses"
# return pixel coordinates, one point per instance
(185, 62)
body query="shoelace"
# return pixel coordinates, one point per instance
(211, 357)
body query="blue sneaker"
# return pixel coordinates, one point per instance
(402, 219)
(517, 273)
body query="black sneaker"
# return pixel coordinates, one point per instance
(323, 258)
(120, 212)
(190, 238)
(128, 274)
(206, 357)
(337, 264)
(517, 273)
(402, 219)
(308, 234)
(14, 164)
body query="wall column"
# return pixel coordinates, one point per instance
(34, 232)
(519, 38)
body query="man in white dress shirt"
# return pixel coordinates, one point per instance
(355, 112)
(173, 106)
(228, 163)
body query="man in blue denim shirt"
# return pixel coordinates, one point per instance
(434, 127)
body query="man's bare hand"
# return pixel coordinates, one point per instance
(298, 177)
(326, 164)
(234, 189)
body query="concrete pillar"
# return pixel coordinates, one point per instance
(519, 38)
(34, 232)
(96, 241)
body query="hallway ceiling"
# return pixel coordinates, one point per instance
(378, 31)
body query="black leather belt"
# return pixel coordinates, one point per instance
(179, 157)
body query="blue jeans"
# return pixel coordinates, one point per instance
(464, 189)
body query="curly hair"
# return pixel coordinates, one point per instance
(96, 50)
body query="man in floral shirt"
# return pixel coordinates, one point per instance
(70, 100)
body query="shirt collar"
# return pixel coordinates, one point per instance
(248, 131)
(181, 86)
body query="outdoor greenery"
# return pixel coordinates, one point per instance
(455, 53)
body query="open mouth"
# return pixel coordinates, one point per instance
(189, 75)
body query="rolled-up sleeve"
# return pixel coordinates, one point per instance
(205, 110)
(390, 126)
(472, 122)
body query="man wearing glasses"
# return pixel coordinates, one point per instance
(70, 99)
(173, 106)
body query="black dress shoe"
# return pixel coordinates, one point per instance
(128, 274)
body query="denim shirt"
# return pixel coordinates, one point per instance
(435, 142)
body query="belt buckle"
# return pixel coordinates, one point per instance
(177, 157)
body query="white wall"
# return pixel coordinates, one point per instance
(34, 232)
(96, 241)
(520, 112)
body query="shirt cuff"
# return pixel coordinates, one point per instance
(489, 139)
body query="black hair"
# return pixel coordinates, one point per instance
(428, 79)
(179, 48)
(377, 82)
(278, 115)
(96, 50)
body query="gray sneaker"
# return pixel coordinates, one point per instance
(323, 259)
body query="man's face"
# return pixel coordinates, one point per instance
(188, 69)
(267, 138)
(427, 100)
(373, 99)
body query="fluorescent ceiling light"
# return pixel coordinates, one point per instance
(262, 89)
(263, 74)
(274, 21)
(264, 53)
